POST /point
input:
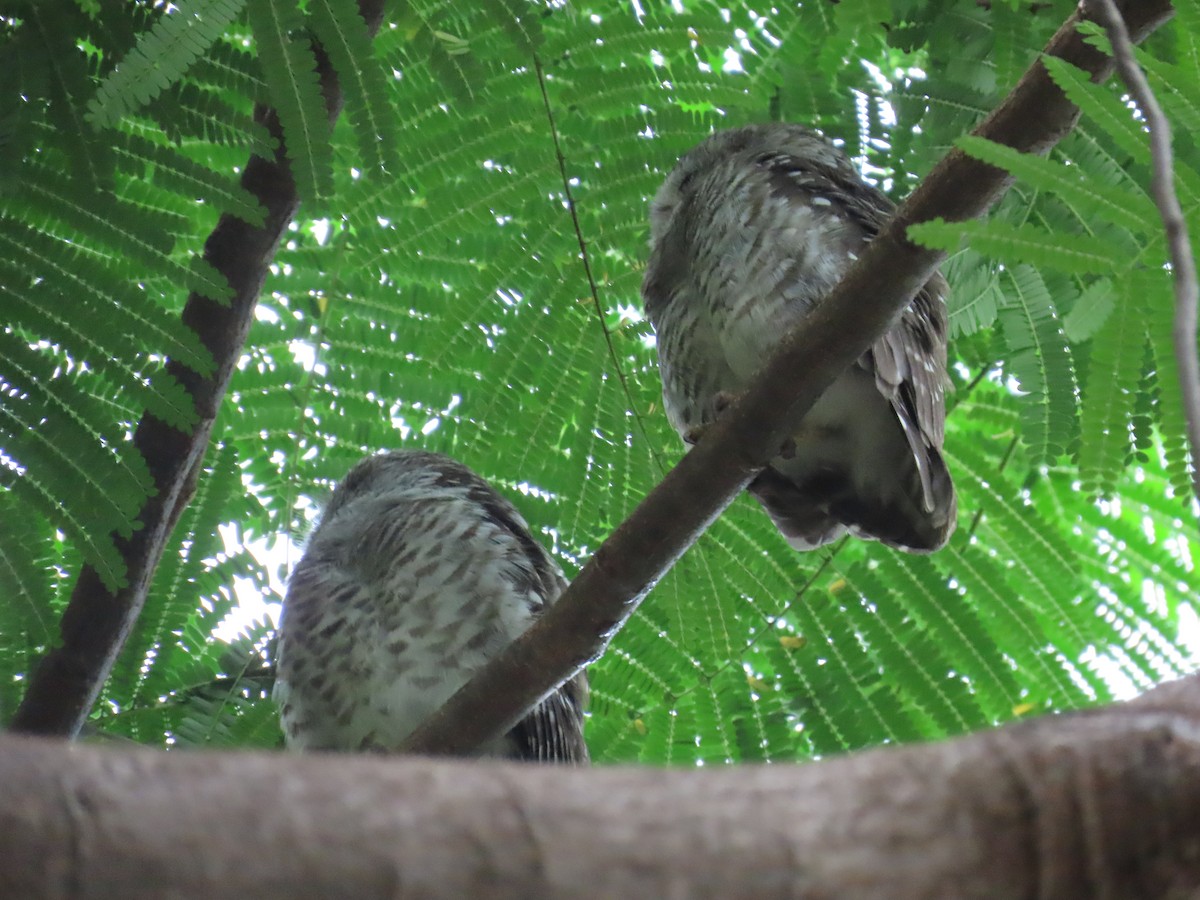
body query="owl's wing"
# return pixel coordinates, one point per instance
(835, 179)
(553, 730)
(909, 361)
(533, 570)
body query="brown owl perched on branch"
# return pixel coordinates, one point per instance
(418, 574)
(750, 231)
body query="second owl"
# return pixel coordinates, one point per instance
(418, 574)
(749, 233)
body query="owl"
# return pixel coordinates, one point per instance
(417, 575)
(749, 233)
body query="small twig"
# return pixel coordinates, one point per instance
(1012, 445)
(962, 393)
(1162, 187)
(585, 258)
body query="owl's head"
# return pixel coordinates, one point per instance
(725, 155)
(409, 472)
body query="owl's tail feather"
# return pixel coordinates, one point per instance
(806, 524)
(911, 518)
(822, 510)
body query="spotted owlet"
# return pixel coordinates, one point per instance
(750, 231)
(417, 575)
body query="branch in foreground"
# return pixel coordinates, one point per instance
(1034, 117)
(97, 621)
(1103, 803)
(1183, 264)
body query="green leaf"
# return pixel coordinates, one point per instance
(1119, 206)
(343, 35)
(286, 58)
(1108, 397)
(1090, 311)
(1074, 253)
(1101, 106)
(68, 84)
(1039, 358)
(182, 34)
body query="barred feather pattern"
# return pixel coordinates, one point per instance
(417, 575)
(748, 234)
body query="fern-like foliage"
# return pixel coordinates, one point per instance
(1093, 220)
(439, 297)
(161, 56)
(343, 36)
(287, 59)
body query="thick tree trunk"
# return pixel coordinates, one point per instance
(64, 685)
(1097, 804)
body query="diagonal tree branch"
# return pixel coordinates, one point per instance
(1103, 803)
(1034, 117)
(1183, 264)
(97, 621)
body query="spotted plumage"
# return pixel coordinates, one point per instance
(417, 575)
(750, 231)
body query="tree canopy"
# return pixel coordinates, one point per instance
(463, 275)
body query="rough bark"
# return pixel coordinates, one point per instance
(67, 680)
(1098, 804)
(1034, 117)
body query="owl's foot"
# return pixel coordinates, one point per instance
(722, 400)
